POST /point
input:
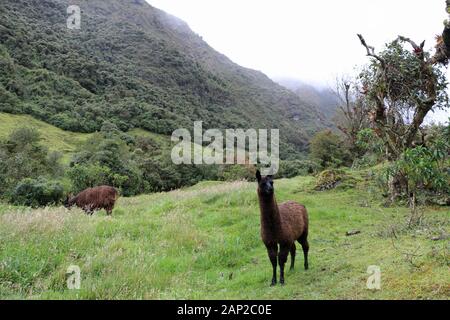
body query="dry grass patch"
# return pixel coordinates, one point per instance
(42, 220)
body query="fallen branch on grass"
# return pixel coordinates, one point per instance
(352, 233)
(441, 237)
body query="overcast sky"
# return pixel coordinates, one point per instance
(313, 41)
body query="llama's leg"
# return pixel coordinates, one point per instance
(89, 210)
(305, 246)
(273, 252)
(293, 249)
(282, 258)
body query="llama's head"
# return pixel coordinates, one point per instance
(265, 185)
(68, 203)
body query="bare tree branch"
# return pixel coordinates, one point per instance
(417, 49)
(413, 44)
(370, 50)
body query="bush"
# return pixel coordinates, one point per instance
(294, 168)
(37, 192)
(85, 176)
(328, 149)
(371, 148)
(22, 156)
(237, 172)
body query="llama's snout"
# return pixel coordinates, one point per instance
(267, 188)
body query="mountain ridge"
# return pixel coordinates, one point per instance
(321, 98)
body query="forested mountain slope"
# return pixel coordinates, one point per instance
(136, 66)
(323, 99)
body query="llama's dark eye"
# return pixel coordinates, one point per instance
(271, 183)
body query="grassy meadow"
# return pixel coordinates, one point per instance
(203, 243)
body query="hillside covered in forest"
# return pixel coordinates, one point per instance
(322, 98)
(135, 66)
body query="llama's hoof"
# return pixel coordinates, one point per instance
(282, 282)
(274, 283)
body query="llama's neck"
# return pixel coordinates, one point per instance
(270, 215)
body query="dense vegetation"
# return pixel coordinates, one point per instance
(137, 67)
(25, 167)
(41, 157)
(135, 162)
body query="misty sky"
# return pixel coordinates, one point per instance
(313, 41)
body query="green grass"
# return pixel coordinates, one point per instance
(54, 138)
(203, 243)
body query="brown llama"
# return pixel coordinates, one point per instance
(281, 225)
(93, 199)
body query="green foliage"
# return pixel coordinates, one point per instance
(237, 172)
(92, 175)
(136, 162)
(22, 156)
(132, 164)
(106, 159)
(294, 168)
(37, 192)
(423, 168)
(421, 173)
(368, 141)
(405, 79)
(328, 149)
(371, 147)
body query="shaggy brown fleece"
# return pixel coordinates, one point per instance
(93, 199)
(281, 225)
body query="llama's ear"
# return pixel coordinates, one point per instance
(258, 175)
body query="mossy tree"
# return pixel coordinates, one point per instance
(401, 87)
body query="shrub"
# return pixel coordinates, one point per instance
(294, 168)
(22, 156)
(328, 149)
(237, 172)
(421, 170)
(371, 147)
(37, 193)
(85, 176)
